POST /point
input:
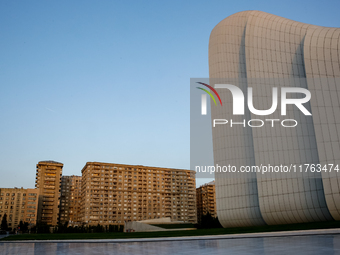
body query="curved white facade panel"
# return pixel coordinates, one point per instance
(236, 198)
(322, 63)
(260, 50)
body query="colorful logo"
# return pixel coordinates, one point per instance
(204, 97)
(208, 86)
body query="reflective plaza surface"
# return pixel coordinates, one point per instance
(317, 244)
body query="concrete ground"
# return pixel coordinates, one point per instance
(335, 231)
(310, 242)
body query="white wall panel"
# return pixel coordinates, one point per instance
(255, 45)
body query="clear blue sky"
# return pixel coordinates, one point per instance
(109, 80)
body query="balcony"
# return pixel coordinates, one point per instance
(49, 187)
(48, 199)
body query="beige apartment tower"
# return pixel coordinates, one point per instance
(19, 205)
(116, 193)
(206, 200)
(48, 178)
(70, 199)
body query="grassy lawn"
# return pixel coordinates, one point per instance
(198, 232)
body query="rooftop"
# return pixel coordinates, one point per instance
(50, 162)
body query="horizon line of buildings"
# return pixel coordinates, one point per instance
(105, 194)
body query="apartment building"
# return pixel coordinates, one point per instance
(48, 178)
(206, 200)
(19, 204)
(115, 193)
(70, 199)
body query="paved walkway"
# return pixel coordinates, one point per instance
(334, 231)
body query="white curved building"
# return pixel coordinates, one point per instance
(260, 50)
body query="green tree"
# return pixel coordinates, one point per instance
(4, 225)
(42, 228)
(208, 221)
(23, 227)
